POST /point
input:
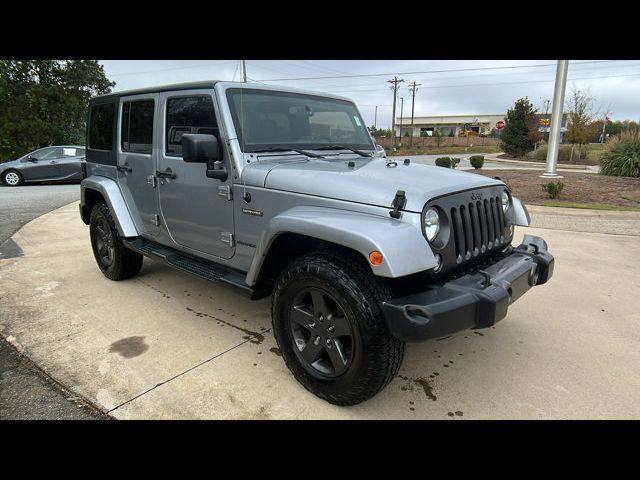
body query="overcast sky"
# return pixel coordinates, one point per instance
(447, 86)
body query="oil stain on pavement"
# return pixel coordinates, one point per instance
(129, 347)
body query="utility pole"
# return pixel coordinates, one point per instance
(375, 119)
(556, 120)
(413, 86)
(395, 83)
(401, 121)
(244, 71)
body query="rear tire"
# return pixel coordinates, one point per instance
(328, 323)
(115, 260)
(12, 178)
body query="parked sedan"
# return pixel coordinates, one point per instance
(49, 164)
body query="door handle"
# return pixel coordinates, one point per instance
(123, 168)
(168, 173)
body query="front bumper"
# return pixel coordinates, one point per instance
(476, 300)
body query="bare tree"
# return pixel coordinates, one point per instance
(580, 120)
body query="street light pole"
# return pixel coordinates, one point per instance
(556, 120)
(401, 109)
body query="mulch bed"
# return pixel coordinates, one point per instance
(578, 187)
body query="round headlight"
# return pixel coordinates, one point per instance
(431, 223)
(506, 201)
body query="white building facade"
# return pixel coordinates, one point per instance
(482, 124)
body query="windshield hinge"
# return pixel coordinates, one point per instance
(398, 204)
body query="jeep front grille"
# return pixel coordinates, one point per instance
(477, 227)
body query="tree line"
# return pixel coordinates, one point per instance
(44, 102)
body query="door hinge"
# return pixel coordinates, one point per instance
(227, 237)
(225, 191)
(152, 180)
(155, 218)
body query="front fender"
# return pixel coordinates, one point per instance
(404, 248)
(111, 193)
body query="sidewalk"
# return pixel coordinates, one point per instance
(493, 157)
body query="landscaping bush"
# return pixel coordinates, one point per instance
(553, 189)
(621, 156)
(443, 162)
(477, 161)
(564, 153)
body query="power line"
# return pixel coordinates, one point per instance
(424, 72)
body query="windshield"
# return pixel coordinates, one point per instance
(266, 119)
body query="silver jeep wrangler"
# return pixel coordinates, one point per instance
(283, 192)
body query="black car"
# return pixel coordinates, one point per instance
(57, 163)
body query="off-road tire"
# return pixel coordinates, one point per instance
(125, 262)
(13, 172)
(377, 355)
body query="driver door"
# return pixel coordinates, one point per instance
(42, 164)
(197, 210)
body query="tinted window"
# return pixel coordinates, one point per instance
(137, 126)
(101, 126)
(188, 115)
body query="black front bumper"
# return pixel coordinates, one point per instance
(476, 300)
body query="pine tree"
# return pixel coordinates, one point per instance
(519, 122)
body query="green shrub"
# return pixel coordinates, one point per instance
(553, 189)
(621, 156)
(454, 162)
(477, 161)
(564, 153)
(443, 162)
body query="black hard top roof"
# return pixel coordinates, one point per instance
(161, 88)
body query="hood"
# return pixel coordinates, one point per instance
(370, 181)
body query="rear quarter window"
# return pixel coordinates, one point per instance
(101, 126)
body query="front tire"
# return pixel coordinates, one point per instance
(328, 323)
(12, 178)
(115, 260)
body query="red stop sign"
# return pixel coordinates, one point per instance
(499, 124)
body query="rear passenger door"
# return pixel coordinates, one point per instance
(137, 157)
(69, 165)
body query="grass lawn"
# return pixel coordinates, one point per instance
(581, 190)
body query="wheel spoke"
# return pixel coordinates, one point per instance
(302, 317)
(340, 325)
(311, 351)
(337, 356)
(319, 303)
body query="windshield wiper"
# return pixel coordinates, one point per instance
(342, 147)
(273, 149)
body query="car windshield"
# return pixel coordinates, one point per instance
(268, 120)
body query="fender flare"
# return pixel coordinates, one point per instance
(404, 248)
(111, 193)
(520, 212)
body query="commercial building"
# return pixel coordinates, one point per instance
(459, 125)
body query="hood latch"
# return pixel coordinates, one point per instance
(398, 204)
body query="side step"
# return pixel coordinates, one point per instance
(180, 261)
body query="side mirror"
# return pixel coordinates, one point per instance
(201, 148)
(31, 159)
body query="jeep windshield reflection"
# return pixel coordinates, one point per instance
(267, 120)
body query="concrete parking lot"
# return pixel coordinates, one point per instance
(166, 345)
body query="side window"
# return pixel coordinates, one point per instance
(188, 115)
(101, 126)
(71, 152)
(137, 126)
(47, 154)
